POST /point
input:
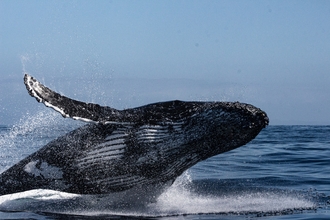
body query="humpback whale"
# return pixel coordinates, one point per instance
(138, 151)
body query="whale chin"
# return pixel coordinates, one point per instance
(136, 152)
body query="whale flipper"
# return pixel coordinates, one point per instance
(70, 108)
(138, 151)
(90, 112)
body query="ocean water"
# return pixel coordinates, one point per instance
(282, 174)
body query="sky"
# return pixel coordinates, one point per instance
(272, 54)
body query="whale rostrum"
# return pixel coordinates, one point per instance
(137, 151)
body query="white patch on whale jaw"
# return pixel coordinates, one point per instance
(45, 170)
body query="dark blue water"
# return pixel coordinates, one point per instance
(283, 174)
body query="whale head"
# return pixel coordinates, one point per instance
(222, 126)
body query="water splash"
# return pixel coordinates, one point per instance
(181, 198)
(30, 133)
(188, 197)
(25, 59)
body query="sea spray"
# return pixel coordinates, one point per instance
(30, 133)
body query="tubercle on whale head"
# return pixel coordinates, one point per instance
(260, 116)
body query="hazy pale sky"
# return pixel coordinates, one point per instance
(272, 54)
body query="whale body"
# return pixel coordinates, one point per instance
(138, 151)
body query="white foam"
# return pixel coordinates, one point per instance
(181, 201)
(177, 200)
